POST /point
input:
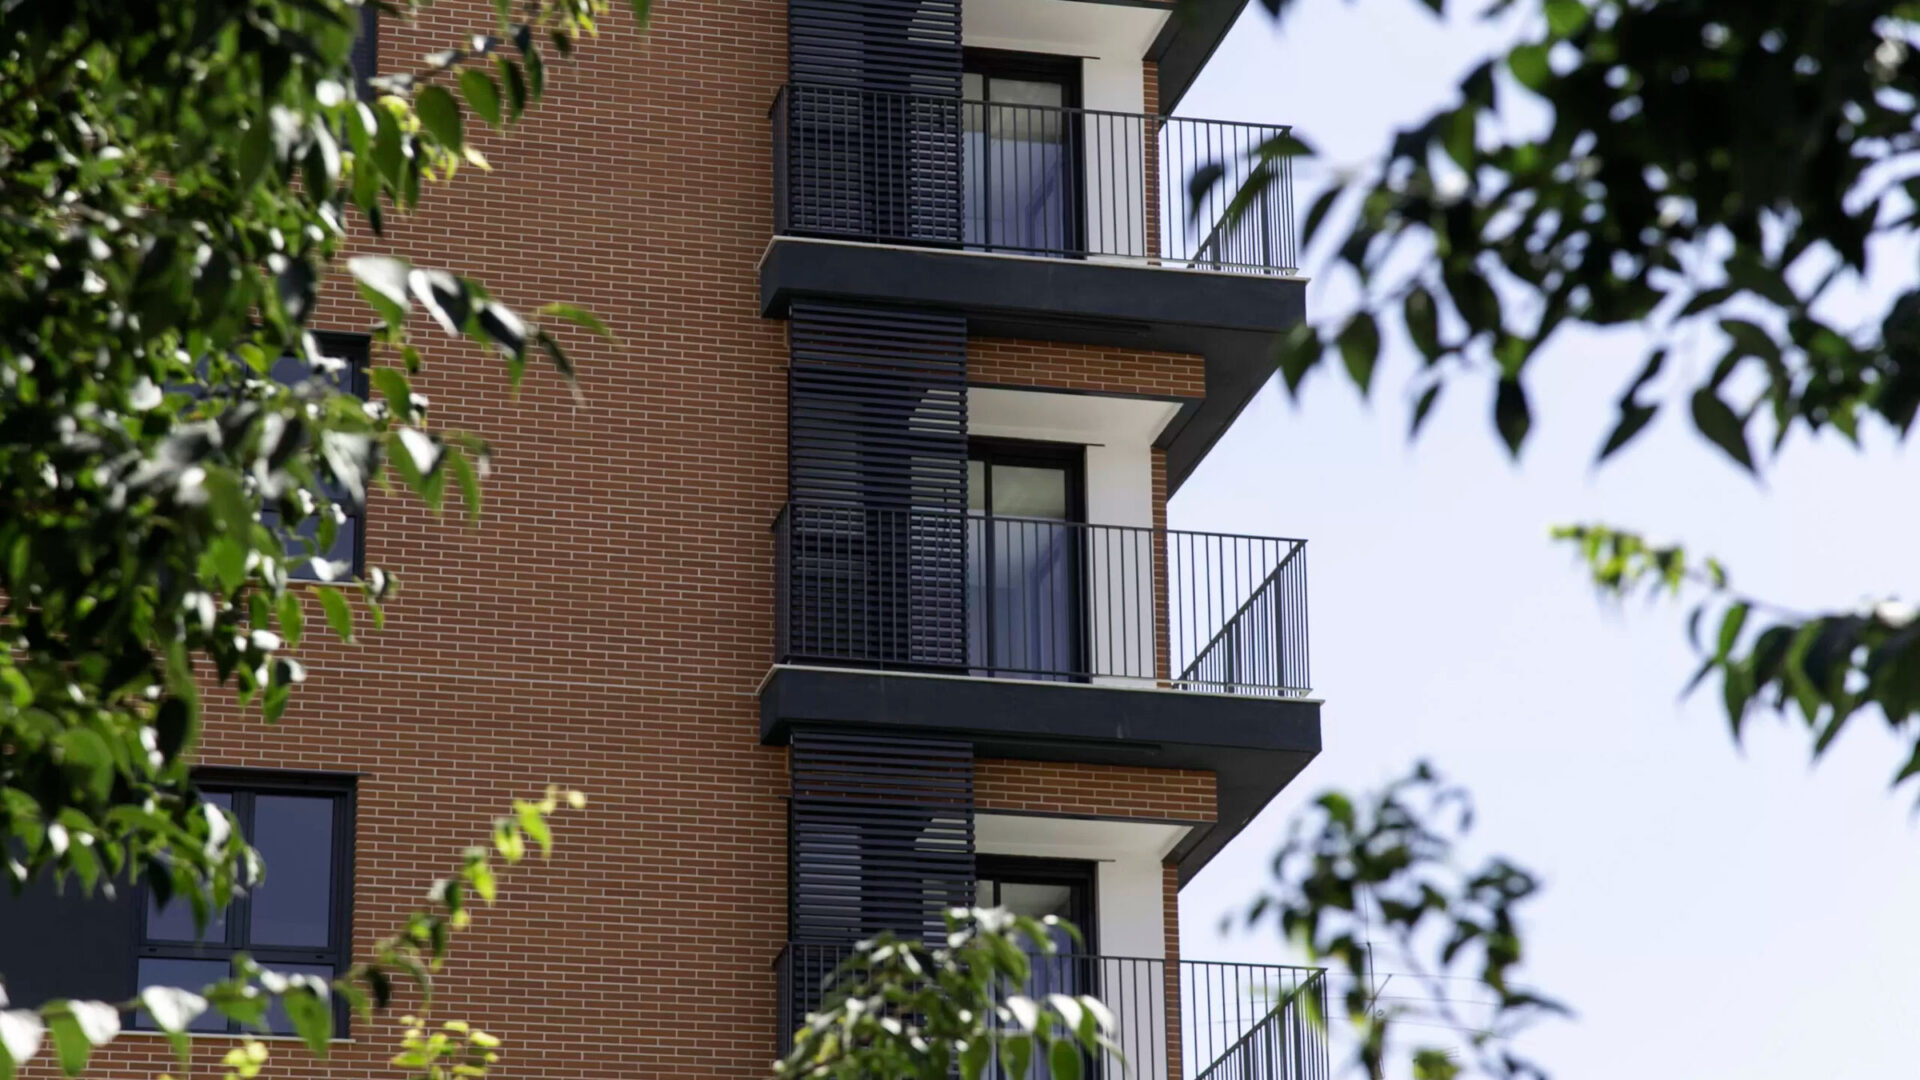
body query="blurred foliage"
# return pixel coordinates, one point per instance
(1720, 175)
(1359, 880)
(176, 180)
(403, 962)
(903, 1009)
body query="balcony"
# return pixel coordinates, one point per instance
(896, 168)
(1050, 641)
(1190, 1020)
(1043, 223)
(1056, 601)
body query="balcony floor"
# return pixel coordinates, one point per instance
(1253, 745)
(1233, 319)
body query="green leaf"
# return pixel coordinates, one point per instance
(20, 1032)
(441, 115)
(389, 146)
(1317, 214)
(975, 1058)
(482, 94)
(466, 476)
(393, 386)
(383, 281)
(1529, 65)
(1717, 421)
(293, 621)
(79, 1026)
(516, 84)
(1065, 1058)
(256, 149)
(1565, 17)
(1422, 408)
(1730, 626)
(1634, 418)
(1360, 349)
(642, 11)
(1423, 322)
(580, 317)
(1461, 129)
(172, 1008)
(339, 614)
(307, 1006)
(535, 825)
(1511, 414)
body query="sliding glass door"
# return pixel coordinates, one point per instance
(1024, 607)
(1022, 185)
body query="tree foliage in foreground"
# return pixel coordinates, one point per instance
(904, 1009)
(1358, 880)
(1722, 173)
(177, 179)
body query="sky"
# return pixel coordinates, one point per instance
(1709, 910)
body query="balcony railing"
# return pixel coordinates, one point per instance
(1051, 600)
(901, 168)
(1191, 1020)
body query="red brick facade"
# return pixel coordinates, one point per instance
(1096, 368)
(1112, 791)
(606, 624)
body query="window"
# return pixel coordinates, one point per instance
(366, 50)
(1024, 611)
(297, 921)
(349, 541)
(1023, 132)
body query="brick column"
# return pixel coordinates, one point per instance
(1170, 901)
(1150, 153)
(1162, 634)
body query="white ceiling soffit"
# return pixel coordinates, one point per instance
(1074, 838)
(1105, 31)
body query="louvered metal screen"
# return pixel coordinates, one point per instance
(877, 421)
(881, 835)
(875, 166)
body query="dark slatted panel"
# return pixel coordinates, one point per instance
(912, 46)
(881, 835)
(877, 473)
(872, 166)
(874, 118)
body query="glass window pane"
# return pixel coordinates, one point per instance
(277, 1021)
(973, 86)
(1007, 91)
(175, 921)
(294, 834)
(977, 486)
(187, 975)
(1037, 901)
(1025, 491)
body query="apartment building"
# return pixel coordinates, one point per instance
(844, 589)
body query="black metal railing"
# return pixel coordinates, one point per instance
(1053, 600)
(890, 167)
(1219, 1021)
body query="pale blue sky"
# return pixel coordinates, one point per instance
(1709, 911)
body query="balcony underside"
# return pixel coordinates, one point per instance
(1234, 320)
(1254, 745)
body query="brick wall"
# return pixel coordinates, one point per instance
(1098, 368)
(606, 624)
(1120, 791)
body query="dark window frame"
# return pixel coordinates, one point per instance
(1067, 72)
(1081, 874)
(243, 786)
(1070, 458)
(365, 56)
(1036, 453)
